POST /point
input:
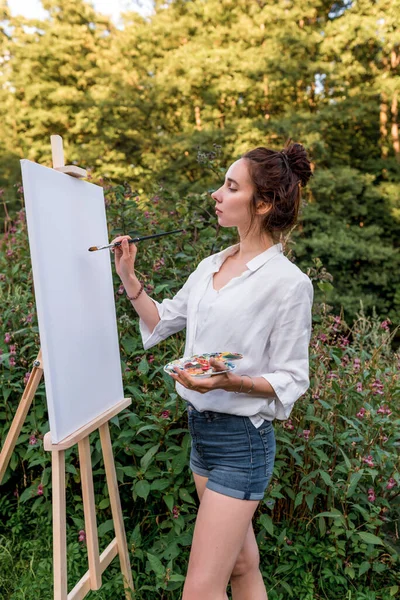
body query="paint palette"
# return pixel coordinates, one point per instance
(198, 365)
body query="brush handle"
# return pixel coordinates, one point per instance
(148, 237)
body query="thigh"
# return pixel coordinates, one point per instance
(221, 529)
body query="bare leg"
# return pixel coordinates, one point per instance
(216, 544)
(246, 579)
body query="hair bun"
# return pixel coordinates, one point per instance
(298, 162)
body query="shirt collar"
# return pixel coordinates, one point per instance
(253, 264)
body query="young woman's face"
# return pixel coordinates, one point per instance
(233, 198)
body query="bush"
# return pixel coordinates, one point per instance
(327, 527)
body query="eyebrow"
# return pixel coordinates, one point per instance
(232, 181)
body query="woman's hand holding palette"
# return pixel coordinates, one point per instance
(199, 365)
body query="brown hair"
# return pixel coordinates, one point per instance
(277, 178)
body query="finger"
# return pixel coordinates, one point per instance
(125, 248)
(218, 365)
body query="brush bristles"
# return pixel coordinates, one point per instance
(93, 248)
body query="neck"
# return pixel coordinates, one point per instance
(252, 245)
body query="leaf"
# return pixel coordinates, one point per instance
(354, 479)
(169, 501)
(148, 457)
(310, 500)
(370, 538)
(326, 478)
(322, 526)
(299, 499)
(156, 565)
(105, 527)
(105, 503)
(179, 462)
(185, 496)
(394, 589)
(143, 366)
(142, 488)
(364, 567)
(346, 458)
(267, 523)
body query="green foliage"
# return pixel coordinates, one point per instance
(327, 526)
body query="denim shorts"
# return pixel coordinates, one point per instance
(237, 457)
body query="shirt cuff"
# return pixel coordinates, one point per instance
(286, 393)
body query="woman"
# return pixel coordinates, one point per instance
(249, 298)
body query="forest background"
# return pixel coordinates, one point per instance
(157, 109)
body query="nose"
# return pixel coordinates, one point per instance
(214, 195)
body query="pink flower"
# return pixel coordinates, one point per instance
(332, 375)
(26, 378)
(390, 484)
(368, 460)
(288, 424)
(385, 324)
(32, 440)
(40, 489)
(377, 387)
(384, 438)
(175, 512)
(146, 214)
(371, 495)
(336, 323)
(149, 288)
(359, 387)
(361, 413)
(315, 395)
(9, 252)
(121, 290)
(306, 433)
(151, 358)
(289, 542)
(323, 337)
(343, 342)
(28, 318)
(12, 350)
(12, 362)
(384, 410)
(7, 338)
(82, 536)
(165, 414)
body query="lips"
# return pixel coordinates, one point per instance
(218, 211)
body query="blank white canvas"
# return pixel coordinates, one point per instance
(74, 297)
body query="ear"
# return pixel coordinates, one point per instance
(262, 208)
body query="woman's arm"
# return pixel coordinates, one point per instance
(143, 305)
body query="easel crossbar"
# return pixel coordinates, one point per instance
(82, 588)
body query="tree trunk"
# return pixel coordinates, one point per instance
(383, 117)
(395, 127)
(197, 117)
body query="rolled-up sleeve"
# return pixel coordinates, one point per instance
(288, 348)
(172, 312)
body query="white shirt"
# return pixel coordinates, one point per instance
(265, 314)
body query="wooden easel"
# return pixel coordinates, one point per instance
(91, 580)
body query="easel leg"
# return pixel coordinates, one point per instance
(59, 525)
(20, 415)
(90, 513)
(116, 510)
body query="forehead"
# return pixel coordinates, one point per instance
(239, 172)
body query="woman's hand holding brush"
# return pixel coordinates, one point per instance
(125, 256)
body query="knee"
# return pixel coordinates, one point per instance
(247, 561)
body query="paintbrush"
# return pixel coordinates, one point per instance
(136, 239)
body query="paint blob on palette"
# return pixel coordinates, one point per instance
(199, 365)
